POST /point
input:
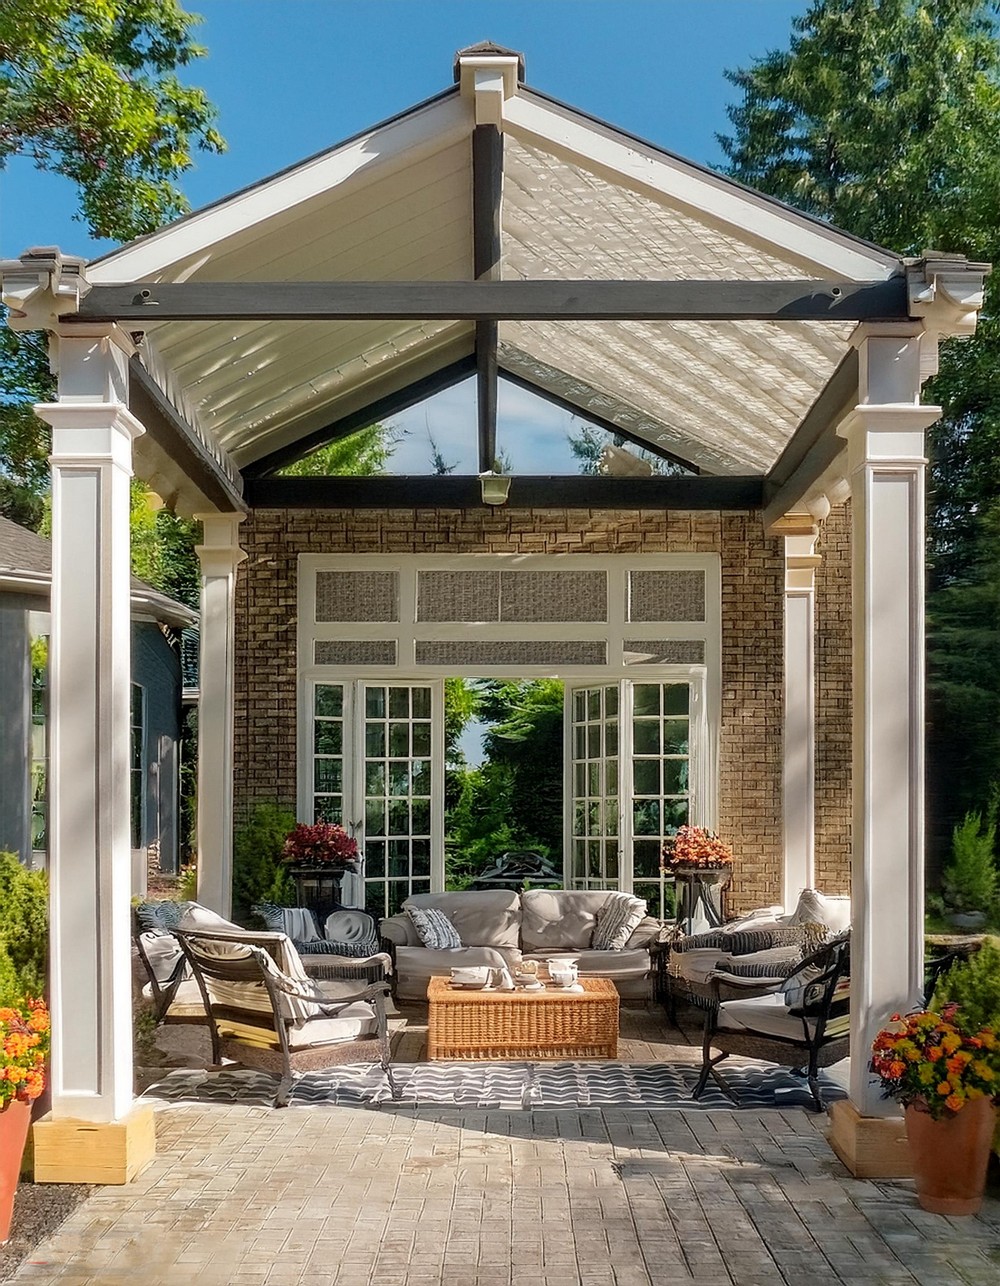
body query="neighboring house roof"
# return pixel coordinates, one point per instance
(26, 568)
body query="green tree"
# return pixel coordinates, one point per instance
(882, 117)
(88, 89)
(526, 738)
(361, 455)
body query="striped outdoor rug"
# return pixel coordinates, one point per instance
(508, 1086)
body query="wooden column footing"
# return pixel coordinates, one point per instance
(872, 1147)
(69, 1151)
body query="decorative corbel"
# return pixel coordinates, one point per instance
(947, 291)
(40, 286)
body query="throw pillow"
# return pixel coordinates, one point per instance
(162, 916)
(617, 920)
(297, 921)
(434, 929)
(816, 908)
(754, 967)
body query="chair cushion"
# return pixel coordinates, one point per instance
(163, 952)
(559, 919)
(352, 1022)
(834, 912)
(297, 921)
(434, 928)
(696, 966)
(617, 920)
(195, 916)
(482, 917)
(765, 1014)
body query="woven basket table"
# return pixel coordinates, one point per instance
(463, 1024)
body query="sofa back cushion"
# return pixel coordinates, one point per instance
(559, 919)
(483, 917)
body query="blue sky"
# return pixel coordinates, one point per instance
(291, 77)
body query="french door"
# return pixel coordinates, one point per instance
(635, 764)
(377, 751)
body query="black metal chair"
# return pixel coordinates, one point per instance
(807, 1036)
(261, 1015)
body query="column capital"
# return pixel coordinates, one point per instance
(220, 553)
(886, 434)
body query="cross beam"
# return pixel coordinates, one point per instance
(142, 303)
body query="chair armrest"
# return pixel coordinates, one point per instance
(399, 930)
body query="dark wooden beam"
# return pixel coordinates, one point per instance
(140, 303)
(373, 413)
(608, 426)
(814, 445)
(572, 492)
(178, 440)
(487, 190)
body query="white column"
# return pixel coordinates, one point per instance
(89, 760)
(799, 742)
(886, 462)
(220, 555)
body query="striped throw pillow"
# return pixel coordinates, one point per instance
(617, 920)
(433, 927)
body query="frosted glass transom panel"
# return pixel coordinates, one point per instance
(458, 596)
(664, 651)
(357, 596)
(521, 652)
(666, 596)
(355, 652)
(554, 596)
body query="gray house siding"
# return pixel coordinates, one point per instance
(156, 668)
(15, 726)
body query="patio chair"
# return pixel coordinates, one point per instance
(802, 1022)
(264, 1012)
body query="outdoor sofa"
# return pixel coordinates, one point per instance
(499, 927)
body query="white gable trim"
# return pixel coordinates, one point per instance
(408, 139)
(644, 169)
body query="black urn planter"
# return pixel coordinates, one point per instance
(699, 896)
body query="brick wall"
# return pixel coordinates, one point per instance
(833, 703)
(752, 572)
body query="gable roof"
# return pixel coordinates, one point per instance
(581, 200)
(26, 568)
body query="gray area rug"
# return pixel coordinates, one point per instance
(509, 1086)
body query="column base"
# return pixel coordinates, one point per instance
(70, 1151)
(872, 1147)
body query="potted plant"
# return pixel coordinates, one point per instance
(701, 864)
(24, 1047)
(317, 857)
(946, 1076)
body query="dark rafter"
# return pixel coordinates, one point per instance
(598, 421)
(487, 186)
(570, 492)
(140, 303)
(814, 445)
(373, 413)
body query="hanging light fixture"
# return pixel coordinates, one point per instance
(495, 486)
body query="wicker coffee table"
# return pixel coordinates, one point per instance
(464, 1024)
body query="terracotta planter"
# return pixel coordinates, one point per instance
(950, 1156)
(14, 1121)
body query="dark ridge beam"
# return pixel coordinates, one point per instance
(487, 190)
(814, 445)
(373, 413)
(573, 492)
(608, 426)
(141, 303)
(178, 440)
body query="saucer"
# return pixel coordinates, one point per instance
(531, 986)
(472, 986)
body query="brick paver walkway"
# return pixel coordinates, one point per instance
(462, 1198)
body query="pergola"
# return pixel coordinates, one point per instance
(491, 231)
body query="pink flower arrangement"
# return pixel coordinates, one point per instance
(322, 844)
(694, 848)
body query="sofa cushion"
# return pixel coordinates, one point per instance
(434, 928)
(415, 966)
(559, 919)
(832, 911)
(483, 917)
(617, 920)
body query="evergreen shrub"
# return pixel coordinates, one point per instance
(970, 878)
(259, 873)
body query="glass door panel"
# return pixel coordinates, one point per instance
(660, 784)
(594, 845)
(398, 776)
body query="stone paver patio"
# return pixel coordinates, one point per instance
(473, 1198)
